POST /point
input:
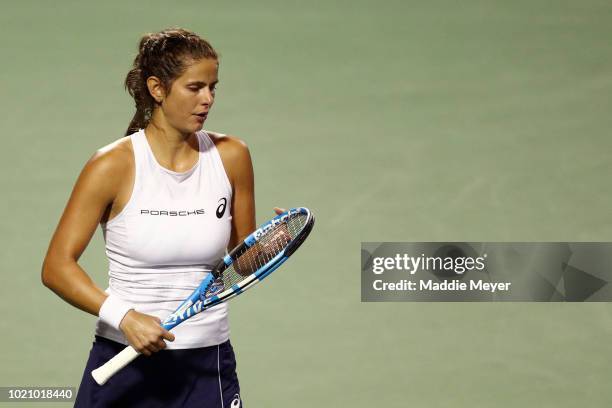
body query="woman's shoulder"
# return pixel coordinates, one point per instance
(113, 159)
(229, 147)
(107, 171)
(227, 142)
(234, 154)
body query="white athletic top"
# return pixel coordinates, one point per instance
(173, 230)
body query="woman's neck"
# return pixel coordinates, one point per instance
(172, 149)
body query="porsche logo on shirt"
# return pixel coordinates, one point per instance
(173, 213)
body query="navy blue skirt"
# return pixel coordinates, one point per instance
(199, 377)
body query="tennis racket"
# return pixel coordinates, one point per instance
(249, 263)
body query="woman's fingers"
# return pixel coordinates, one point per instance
(144, 332)
(167, 335)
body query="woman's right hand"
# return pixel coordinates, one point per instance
(144, 332)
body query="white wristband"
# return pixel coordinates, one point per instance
(113, 310)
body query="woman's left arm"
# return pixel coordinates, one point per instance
(239, 168)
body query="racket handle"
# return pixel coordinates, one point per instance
(112, 366)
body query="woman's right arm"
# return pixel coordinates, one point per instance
(94, 191)
(93, 195)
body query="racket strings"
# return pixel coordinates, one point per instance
(256, 257)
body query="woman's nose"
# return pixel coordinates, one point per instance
(208, 96)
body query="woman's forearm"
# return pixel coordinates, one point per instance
(69, 281)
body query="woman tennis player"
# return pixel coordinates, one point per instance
(170, 199)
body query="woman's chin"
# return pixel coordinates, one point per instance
(195, 128)
(199, 125)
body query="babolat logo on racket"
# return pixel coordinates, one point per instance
(264, 230)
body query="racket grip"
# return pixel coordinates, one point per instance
(103, 373)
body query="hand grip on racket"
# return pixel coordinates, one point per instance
(249, 263)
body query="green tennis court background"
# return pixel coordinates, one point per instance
(401, 121)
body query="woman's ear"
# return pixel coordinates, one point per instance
(156, 88)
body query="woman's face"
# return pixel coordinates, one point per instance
(192, 95)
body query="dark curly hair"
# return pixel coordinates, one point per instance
(166, 55)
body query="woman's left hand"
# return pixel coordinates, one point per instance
(278, 239)
(279, 210)
(262, 252)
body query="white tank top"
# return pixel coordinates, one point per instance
(173, 230)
